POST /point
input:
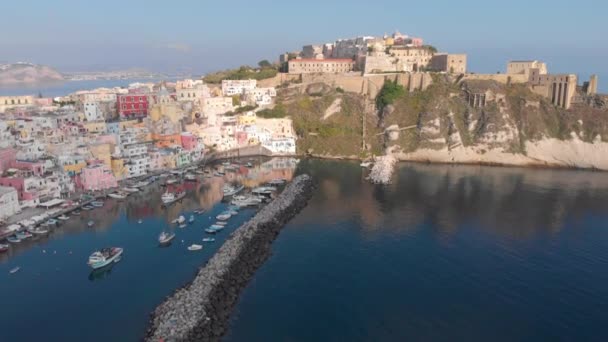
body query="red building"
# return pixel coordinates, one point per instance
(132, 105)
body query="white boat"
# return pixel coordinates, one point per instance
(181, 219)
(97, 204)
(104, 257)
(220, 223)
(13, 239)
(90, 223)
(190, 177)
(170, 197)
(130, 190)
(39, 231)
(14, 270)
(199, 172)
(164, 175)
(191, 219)
(117, 195)
(208, 239)
(171, 181)
(195, 247)
(249, 165)
(88, 207)
(231, 190)
(165, 238)
(183, 225)
(142, 184)
(366, 164)
(63, 218)
(140, 221)
(223, 216)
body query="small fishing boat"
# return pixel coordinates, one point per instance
(232, 190)
(221, 223)
(195, 247)
(104, 257)
(210, 231)
(199, 211)
(191, 219)
(199, 172)
(165, 238)
(277, 181)
(4, 248)
(217, 227)
(226, 163)
(23, 235)
(90, 223)
(190, 177)
(171, 181)
(39, 231)
(181, 219)
(365, 164)
(183, 225)
(140, 221)
(13, 239)
(51, 222)
(130, 190)
(76, 212)
(87, 207)
(223, 216)
(142, 184)
(208, 239)
(97, 204)
(63, 217)
(14, 270)
(117, 195)
(170, 197)
(249, 165)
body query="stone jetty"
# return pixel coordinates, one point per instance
(200, 311)
(382, 172)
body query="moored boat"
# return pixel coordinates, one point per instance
(88, 207)
(13, 239)
(4, 247)
(39, 231)
(191, 219)
(104, 257)
(223, 216)
(76, 212)
(130, 190)
(14, 270)
(97, 204)
(277, 181)
(23, 235)
(90, 223)
(118, 195)
(165, 238)
(190, 177)
(51, 222)
(170, 197)
(208, 239)
(63, 217)
(232, 190)
(210, 231)
(195, 247)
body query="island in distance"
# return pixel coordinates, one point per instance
(28, 73)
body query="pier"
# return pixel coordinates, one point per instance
(200, 311)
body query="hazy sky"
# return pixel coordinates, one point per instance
(201, 36)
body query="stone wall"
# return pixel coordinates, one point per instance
(500, 78)
(201, 310)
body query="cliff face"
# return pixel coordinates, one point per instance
(25, 73)
(444, 123)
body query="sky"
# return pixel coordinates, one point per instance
(203, 36)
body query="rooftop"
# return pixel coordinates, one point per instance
(6, 190)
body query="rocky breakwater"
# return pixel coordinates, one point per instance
(200, 311)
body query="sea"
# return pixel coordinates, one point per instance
(444, 253)
(63, 88)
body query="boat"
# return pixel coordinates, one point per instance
(220, 223)
(223, 216)
(4, 248)
(191, 219)
(76, 212)
(199, 211)
(199, 172)
(23, 235)
(264, 190)
(130, 190)
(170, 197)
(217, 227)
(165, 238)
(104, 257)
(87, 207)
(226, 163)
(210, 231)
(195, 247)
(140, 221)
(97, 204)
(51, 222)
(181, 219)
(90, 223)
(39, 231)
(183, 225)
(63, 217)
(277, 181)
(142, 184)
(190, 177)
(14, 270)
(249, 165)
(231, 190)
(246, 201)
(13, 239)
(171, 181)
(366, 164)
(208, 239)
(117, 195)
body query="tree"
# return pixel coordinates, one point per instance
(390, 91)
(264, 64)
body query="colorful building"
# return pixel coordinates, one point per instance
(9, 202)
(189, 141)
(132, 105)
(97, 176)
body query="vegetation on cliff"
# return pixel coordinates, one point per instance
(265, 70)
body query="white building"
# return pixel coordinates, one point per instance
(281, 146)
(137, 166)
(260, 96)
(92, 111)
(9, 202)
(237, 87)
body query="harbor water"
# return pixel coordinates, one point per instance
(443, 253)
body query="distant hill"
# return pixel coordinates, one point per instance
(27, 73)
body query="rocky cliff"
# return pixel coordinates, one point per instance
(444, 123)
(26, 73)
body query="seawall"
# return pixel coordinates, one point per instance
(200, 311)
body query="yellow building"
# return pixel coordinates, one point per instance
(171, 111)
(102, 152)
(118, 168)
(95, 127)
(74, 168)
(247, 119)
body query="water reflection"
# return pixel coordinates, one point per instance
(520, 203)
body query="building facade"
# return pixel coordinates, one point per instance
(327, 66)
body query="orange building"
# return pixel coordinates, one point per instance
(169, 140)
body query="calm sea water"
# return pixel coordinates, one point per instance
(64, 88)
(445, 253)
(56, 297)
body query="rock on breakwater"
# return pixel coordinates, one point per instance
(200, 311)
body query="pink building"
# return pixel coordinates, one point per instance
(189, 141)
(97, 176)
(36, 168)
(241, 138)
(7, 158)
(417, 42)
